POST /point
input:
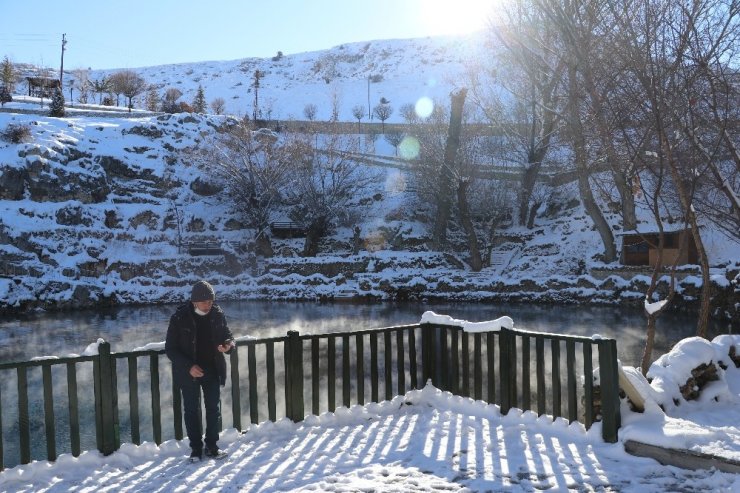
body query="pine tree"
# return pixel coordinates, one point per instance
(199, 103)
(56, 107)
(152, 99)
(5, 96)
(7, 74)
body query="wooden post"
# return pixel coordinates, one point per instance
(106, 401)
(51, 443)
(427, 353)
(294, 376)
(609, 378)
(505, 369)
(24, 429)
(236, 404)
(156, 400)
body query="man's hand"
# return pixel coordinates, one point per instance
(196, 371)
(226, 346)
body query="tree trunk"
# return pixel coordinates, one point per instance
(462, 203)
(263, 246)
(539, 145)
(657, 273)
(581, 157)
(702, 325)
(316, 231)
(629, 216)
(532, 214)
(525, 192)
(444, 182)
(621, 178)
(649, 344)
(592, 209)
(683, 195)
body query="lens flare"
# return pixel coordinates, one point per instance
(458, 17)
(424, 107)
(409, 147)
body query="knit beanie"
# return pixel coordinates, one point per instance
(202, 291)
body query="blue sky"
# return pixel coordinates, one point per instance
(136, 33)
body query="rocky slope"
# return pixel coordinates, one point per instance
(101, 210)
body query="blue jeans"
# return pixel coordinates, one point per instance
(191, 401)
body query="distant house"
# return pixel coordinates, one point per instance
(42, 87)
(642, 248)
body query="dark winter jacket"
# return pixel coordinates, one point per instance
(181, 342)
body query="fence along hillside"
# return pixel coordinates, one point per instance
(67, 405)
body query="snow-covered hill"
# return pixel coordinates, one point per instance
(402, 71)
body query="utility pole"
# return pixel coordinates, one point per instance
(61, 67)
(369, 114)
(256, 85)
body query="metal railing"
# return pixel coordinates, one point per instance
(280, 376)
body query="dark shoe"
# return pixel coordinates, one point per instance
(215, 453)
(196, 455)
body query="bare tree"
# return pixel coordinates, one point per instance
(101, 86)
(383, 111)
(169, 102)
(218, 106)
(254, 168)
(669, 49)
(336, 103)
(81, 78)
(128, 83)
(408, 113)
(446, 178)
(327, 184)
(652, 185)
(527, 112)
(578, 25)
(394, 139)
(309, 111)
(358, 111)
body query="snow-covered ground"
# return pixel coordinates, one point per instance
(129, 235)
(429, 440)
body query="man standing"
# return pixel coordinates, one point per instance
(197, 339)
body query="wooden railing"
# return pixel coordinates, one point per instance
(280, 377)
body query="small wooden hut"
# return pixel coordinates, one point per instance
(42, 87)
(642, 248)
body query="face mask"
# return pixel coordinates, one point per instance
(200, 312)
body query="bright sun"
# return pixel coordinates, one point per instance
(456, 16)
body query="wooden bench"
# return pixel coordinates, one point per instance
(204, 248)
(287, 229)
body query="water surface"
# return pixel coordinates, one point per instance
(126, 328)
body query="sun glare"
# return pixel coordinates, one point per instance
(456, 17)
